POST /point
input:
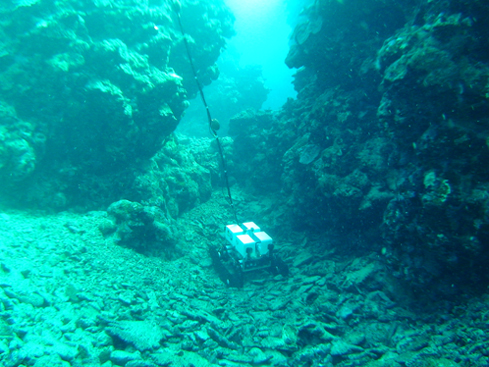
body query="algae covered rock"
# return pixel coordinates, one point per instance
(434, 109)
(385, 146)
(331, 28)
(180, 176)
(20, 147)
(104, 82)
(143, 228)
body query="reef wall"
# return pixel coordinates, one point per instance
(90, 90)
(385, 146)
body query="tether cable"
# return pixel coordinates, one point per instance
(176, 7)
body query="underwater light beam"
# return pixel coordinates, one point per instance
(262, 36)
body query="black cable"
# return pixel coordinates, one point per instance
(176, 8)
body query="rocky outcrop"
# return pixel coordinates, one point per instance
(384, 147)
(434, 107)
(20, 144)
(89, 90)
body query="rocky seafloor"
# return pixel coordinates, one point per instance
(70, 297)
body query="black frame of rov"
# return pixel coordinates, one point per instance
(232, 267)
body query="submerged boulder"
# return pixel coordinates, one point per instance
(143, 228)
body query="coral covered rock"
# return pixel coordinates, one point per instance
(105, 82)
(20, 146)
(386, 143)
(143, 228)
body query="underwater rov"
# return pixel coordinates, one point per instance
(248, 249)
